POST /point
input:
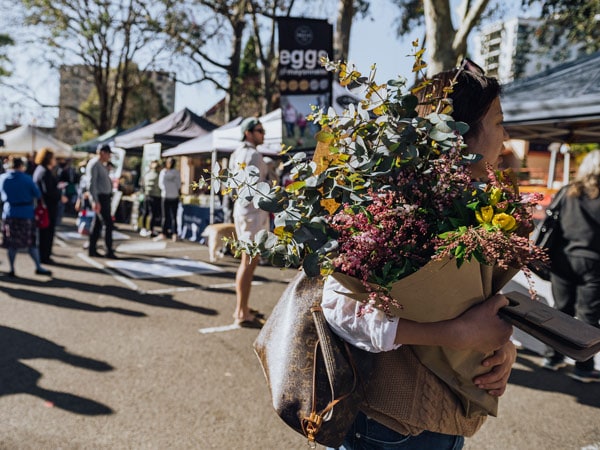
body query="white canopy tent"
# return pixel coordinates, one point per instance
(202, 144)
(27, 139)
(228, 137)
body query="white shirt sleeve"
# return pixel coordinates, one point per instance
(373, 331)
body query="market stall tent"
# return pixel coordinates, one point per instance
(227, 138)
(169, 131)
(561, 104)
(108, 138)
(202, 144)
(27, 139)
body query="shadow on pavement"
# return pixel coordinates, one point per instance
(62, 302)
(18, 378)
(545, 380)
(120, 293)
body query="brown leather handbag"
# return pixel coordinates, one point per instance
(315, 378)
(569, 336)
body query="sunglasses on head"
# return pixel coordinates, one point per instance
(469, 66)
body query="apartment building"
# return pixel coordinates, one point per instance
(510, 49)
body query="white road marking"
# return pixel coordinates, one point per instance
(169, 290)
(210, 330)
(127, 282)
(229, 285)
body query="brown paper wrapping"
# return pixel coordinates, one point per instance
(441, 291)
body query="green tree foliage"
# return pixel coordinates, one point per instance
(209, 34)
(5, 41)
(580, 19)
(104, 37)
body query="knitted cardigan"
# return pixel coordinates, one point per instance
(404, 395)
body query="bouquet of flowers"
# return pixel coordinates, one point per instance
(387, 201)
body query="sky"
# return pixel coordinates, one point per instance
(373, 40)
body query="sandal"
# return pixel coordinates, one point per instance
(251, 323)
(257, 313)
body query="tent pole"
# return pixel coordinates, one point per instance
(565, 150)
(213, 161)
(554, 149)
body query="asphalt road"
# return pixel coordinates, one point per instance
(98, 358)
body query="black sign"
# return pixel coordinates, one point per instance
(303, 81)
(302, 43)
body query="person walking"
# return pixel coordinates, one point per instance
(44, 178)
(152, 200)
(169, 181)
(576, 287)
(99, 187)
(18, 193)
(248, 220)
(406, 406)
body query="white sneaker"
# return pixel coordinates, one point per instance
(554, 363)
(144, 232)
(585, 376)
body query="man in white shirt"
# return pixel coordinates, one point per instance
(248, 220)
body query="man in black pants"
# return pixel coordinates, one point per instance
(100, 188)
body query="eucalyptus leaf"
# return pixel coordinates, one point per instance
(311, 265)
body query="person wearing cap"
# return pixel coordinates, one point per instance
(248, 220)
(100, 190)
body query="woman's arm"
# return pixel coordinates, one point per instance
(479, 328)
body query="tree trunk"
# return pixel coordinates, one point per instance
(439, 35)
(341, 41)
(238, 24)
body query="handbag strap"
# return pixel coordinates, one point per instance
(554, 207)
(312, 423)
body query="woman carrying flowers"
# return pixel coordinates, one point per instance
(406, 405)
(402, 212)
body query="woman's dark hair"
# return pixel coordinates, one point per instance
(471, 97)
(170, 163)
(44, 156)
(16, 162)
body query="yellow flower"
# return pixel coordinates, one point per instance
(504, 221)
(485, 214)
(495, 196)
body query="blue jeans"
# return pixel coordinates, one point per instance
(367, 434)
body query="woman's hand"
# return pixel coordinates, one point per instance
(501, 363)
(480, 328)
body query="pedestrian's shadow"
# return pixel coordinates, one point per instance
(546, 380)
(118, 292)
(63, 302)
(18, 378)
